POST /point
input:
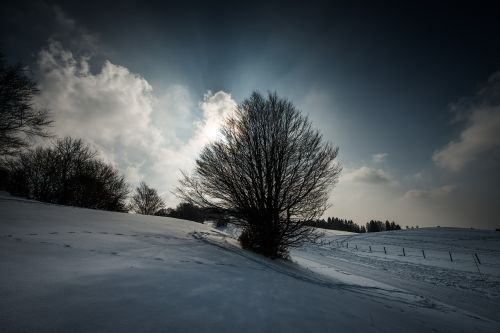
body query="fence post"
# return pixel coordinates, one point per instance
(474, 257)
(385, 250)
(451, 258)
(423, 253)
(477, 257)
(404, 254)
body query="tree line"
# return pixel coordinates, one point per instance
(68, 173)
(375, 226)
(334, 223)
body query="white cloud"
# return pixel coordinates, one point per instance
(482, 131)
(148, 137)
(173, 113)
(132, 174)
(112, 106)
(216, 107)
(432, 193)
(366, 174)
(378, 158)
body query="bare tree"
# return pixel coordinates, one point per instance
(270, 172)
(67, 173)
(20, 120)
(146, 200)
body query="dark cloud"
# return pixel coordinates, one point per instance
(481, 134)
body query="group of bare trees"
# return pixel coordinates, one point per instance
(67, 173)
(270, 172)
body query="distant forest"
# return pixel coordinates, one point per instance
(334, 223)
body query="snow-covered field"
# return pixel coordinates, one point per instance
(470, 279)
(70, 269)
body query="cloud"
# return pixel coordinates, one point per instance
(432, 193)
(78, 39)
(417, 176)
(216, 107)
(368, 175)
(378, 158)
(113, 105)
(481, 133)
(147, 135)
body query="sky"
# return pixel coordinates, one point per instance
(408, 91)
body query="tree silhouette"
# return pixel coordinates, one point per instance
(270, 172)
(20, 120)
(67, 173)
(186, 211)
(376, 226)
(337, 224)
(146, 200)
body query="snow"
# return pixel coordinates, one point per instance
(72, 269)
(463, 282)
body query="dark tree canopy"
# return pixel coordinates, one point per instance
(146, 200)
(376, 226)
(337, 224)
(67, 173)
(185, 211)
(20, 120)
(270, 172)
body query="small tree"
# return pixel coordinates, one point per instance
(270, 172)
(20, 120)
(146, 200)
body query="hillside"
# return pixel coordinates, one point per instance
(71, 269)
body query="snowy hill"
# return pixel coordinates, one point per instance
(72, 269)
